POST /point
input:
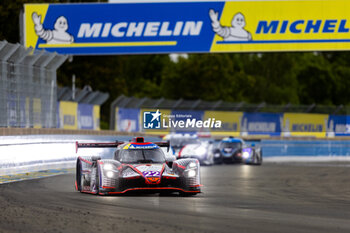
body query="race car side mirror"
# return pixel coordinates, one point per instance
(169, 159)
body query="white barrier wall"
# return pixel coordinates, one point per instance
(21, 154)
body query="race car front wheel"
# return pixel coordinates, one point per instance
(258, 159)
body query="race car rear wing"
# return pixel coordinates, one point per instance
(111, 144)
(96, 145)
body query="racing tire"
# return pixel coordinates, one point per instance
(218, 160)
(78, 177)
(258, 160)
(97, 184)
(254, 159)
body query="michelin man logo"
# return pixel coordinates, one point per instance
(57, 36)
(234, 33)
(151, 120)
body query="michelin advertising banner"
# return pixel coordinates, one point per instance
(72, 115)
(68, 115)
(261, 124)
(303, 124)
(211, 26)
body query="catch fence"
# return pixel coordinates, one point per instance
(28, 86)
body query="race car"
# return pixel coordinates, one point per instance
(178, 141)
(201, 150)
(235, 150)
(137, 166)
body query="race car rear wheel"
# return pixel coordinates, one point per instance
(97, 183)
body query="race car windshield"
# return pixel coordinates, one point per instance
(142, 156)
(231, 145)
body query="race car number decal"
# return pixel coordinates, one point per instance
(151, 173)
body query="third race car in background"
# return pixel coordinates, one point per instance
(235, 150)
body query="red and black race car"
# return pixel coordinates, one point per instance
(136, 166)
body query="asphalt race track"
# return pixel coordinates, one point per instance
(236, 198)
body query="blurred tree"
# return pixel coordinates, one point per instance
(316, 81)
(275, 75)
(201, 76)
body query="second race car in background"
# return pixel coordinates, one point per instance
(178, 141)
(192, 146)
(201, 150)
(235, 150)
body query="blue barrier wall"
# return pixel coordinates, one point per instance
(272, 148)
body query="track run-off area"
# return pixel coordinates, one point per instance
(283, 197)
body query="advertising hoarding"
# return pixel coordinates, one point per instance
(186, 27)
(127, 119)
(262, 124)
(304, 124)
(68, 115)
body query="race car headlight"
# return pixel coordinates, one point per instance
(192, 165)
(245, 154)
(217, 155)
(191, 173)
(109, 174)
(108, 166)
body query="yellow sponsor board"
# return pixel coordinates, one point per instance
(96, 117)
(68, 115)
(302, 124)
(165, 113)
(230, 122)
(37, 113)
(299, 25)
(29, 30)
